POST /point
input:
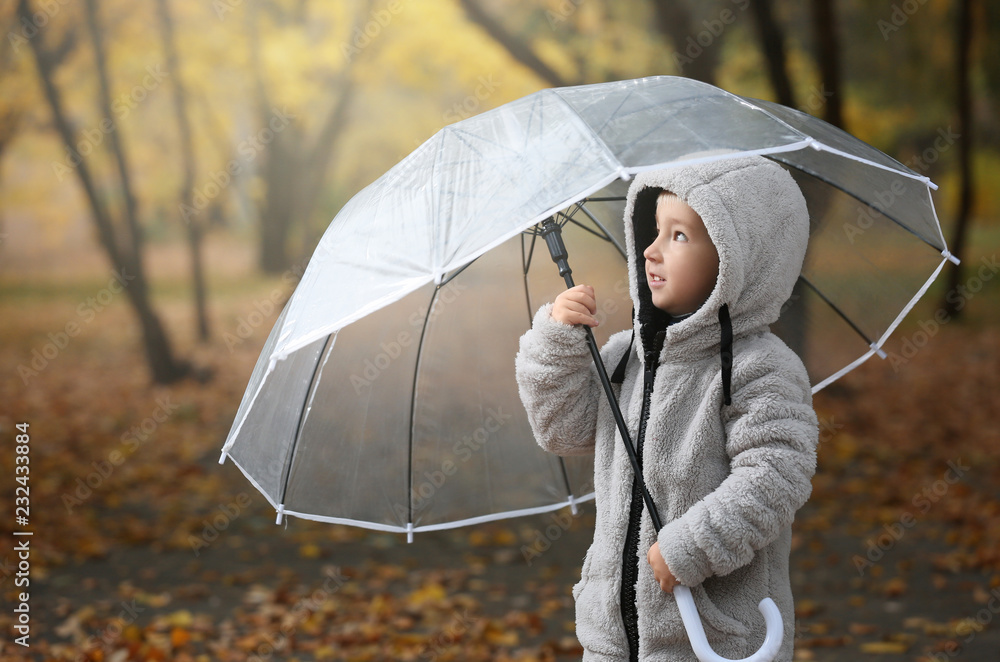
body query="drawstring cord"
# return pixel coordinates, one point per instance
(727, 352)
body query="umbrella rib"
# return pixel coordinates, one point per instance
(588, 131)
(585, 228)
(614, 114)
(526, 262)
(460, 270)
(826, 181)
(302, 417)
(536, 108)
(531, 250)
(663, 122)
(569, 490)
(773, 110)
(837, 310)
(413, 407)
(607, 234)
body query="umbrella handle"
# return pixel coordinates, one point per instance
(696, 633)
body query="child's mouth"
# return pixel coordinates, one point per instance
(654, 280)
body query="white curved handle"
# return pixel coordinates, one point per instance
(696, 633)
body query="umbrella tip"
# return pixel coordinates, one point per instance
(409, 532)
(222, 458)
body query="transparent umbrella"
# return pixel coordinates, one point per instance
(385, 396)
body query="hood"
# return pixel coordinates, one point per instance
(757, 218)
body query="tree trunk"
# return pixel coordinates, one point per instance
(294, 165)
(964, 106)
(828, 59)
(121, 252)
(772, 43)
(281, 169)
(114, 137)
(691, 58)
(194, 224)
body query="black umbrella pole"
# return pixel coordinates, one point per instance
(557, 249)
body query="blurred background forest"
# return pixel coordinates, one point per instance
(167, 168)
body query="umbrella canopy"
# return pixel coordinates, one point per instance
(385, 396)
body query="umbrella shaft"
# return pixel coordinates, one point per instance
(557, 249)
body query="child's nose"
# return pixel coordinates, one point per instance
(651, 253)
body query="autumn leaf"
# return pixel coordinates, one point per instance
(880, 647)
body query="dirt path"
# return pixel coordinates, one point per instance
(477, 594)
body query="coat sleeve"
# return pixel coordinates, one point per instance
(558, 383)
(772, 433)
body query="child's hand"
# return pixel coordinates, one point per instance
(577, 305)
(660, 569)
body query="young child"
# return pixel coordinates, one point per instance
(719, 408)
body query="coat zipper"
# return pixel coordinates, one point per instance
(630, 560)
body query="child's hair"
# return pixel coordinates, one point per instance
(665, 195)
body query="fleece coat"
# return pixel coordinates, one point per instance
(726, 479)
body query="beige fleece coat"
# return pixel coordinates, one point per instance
(726, 479)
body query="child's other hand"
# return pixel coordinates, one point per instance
(577, 305)
(660, 570)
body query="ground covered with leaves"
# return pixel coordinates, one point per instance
(146, 549)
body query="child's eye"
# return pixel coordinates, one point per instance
(680, 236)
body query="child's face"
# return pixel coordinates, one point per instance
(682, 262)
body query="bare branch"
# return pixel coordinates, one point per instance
(517, 48)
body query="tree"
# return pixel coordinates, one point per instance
(121, 237)
(963, 104)
(772, 43)
(674, 21)
(827, 39)
(518, 49)
(295, 164)
(192, 222)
